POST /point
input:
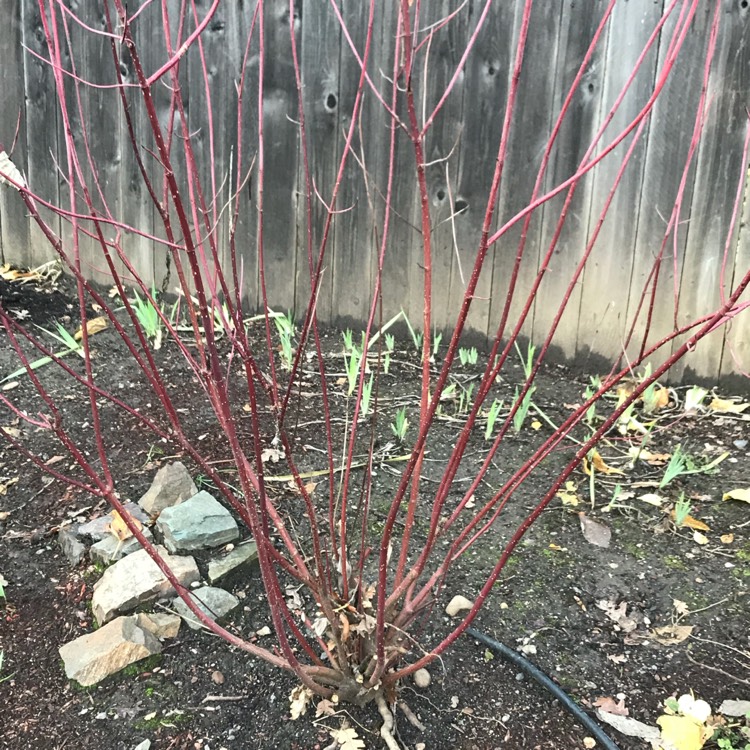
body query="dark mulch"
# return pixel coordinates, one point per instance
(546, 598)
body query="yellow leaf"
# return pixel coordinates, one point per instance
(692, 523)
(739, 494)
(568, 495)
(558, 548)
(727, 406)
(726, 538)
(93, 325)
(119, 529)
(536, 424)
(599, 465)
(680, 732)
(658, 399)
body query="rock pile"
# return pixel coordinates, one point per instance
(184, 520)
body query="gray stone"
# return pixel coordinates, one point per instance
(94, 656)
(111, 548)
(220, 567)
(73, 550)
(213, 601)
(196, 523)
(162, 625)
(136, 579)
(145, 745)
(172, 485)
(99, 528)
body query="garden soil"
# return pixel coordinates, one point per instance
(587, 615)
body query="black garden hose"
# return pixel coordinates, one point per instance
(536, 674)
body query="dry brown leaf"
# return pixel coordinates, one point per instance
(742, 494)
(598, 463)
(347, 738)
(691, 523)
(93, 325)
(119, 529)
(611, 706)
(298, 700)
(726, 538)
(727, 406)
(658, 400)
(9, 483)
(671, 635)
(594, 532)
(325, 708)
(14, 274)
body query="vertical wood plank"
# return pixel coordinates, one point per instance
(717, 173)
(487, 77)
(606, 278)
(41, 131)
(670, 132)
(532, 123)
(736, 355)
(15, 244)
(577, 29)
(323, 102)
(442, 147)
(281, 142)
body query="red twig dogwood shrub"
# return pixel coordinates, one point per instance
(369, 588)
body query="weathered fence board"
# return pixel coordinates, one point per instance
(14, 226)
(460, 154)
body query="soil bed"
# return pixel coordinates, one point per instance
(553, 598)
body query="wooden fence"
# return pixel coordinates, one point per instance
(460, 150)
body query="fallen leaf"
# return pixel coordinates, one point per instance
(671, 635)
(680, 607)
(655, 400)
(118, 527)
(325, 708)
(680, 732)
(594, 532)
(93, 325)
(298, 700)
(568, 495)
(742, 494)
(9, 483)
(271, 454)
(652, 499)
(726, 538)
(589, 743)
(347, 738)
(536, 424)
(691, 523)
(611, 706)
(598, 463)
(728, 406)
(618, 614)
(653, 459)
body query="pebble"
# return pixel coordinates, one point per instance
(458, 604)
(422, 678)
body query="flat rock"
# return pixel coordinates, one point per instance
(215, 602)
(202, 521)
(458, 604)
(99, 528)
(111, 548)
(162, 625)
(222, 566)
(136, 579)
(94, 656)
(172, 485)
(73, 550)
(734, 708)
